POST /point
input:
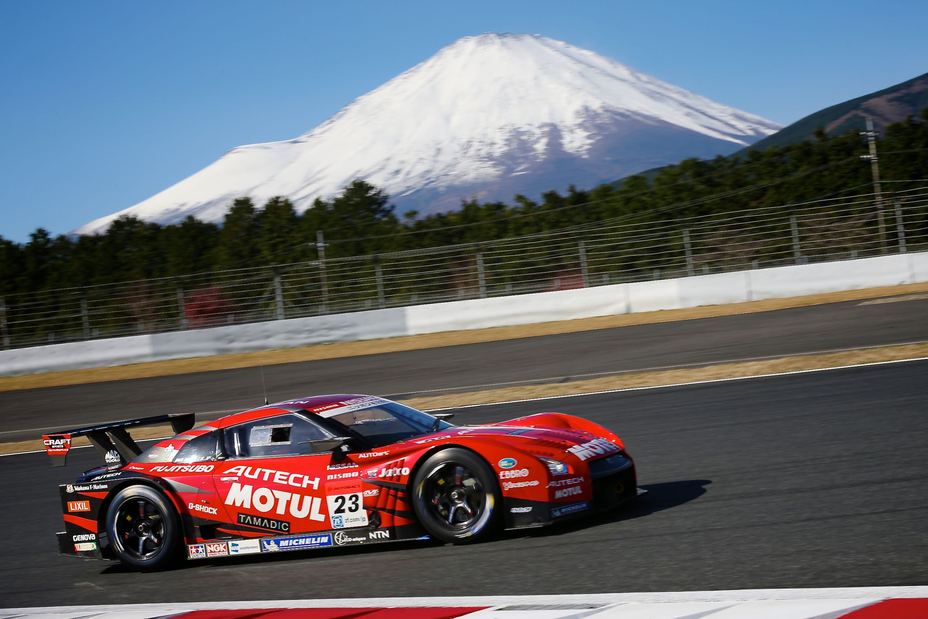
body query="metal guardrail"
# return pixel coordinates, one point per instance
(608, 252)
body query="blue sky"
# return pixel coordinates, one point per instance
(106, 103)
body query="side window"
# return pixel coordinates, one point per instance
(284, 435)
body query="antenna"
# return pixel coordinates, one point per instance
(263, 384)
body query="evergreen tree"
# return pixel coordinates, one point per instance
(277, 232)
(237, 247)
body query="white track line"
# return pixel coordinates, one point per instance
(681, 384)
(607, 391)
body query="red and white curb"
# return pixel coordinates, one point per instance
(845, 603)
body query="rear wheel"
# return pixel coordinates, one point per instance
(143, 528)
(456, 497)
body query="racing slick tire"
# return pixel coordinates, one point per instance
(143, 528)
(456, 497)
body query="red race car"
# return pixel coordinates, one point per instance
(328, 471)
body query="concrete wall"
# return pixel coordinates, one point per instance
(715, 289)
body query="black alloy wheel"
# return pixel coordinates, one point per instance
(456, 497)
(142, 528)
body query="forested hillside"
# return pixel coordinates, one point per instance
(362, 221)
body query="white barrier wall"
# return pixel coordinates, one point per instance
(666, 294)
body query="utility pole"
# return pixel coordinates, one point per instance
(870, 134)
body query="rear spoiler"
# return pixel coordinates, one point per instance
(112, 439)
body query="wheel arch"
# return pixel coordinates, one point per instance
(414, 470)
(137, 481)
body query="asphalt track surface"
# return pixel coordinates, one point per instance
(805, 480)
(26, 414)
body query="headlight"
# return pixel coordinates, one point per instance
(555, 466)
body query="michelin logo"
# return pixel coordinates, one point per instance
(296, 543)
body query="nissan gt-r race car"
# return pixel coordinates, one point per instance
(329, 471)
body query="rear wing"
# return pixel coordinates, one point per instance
(112, 439)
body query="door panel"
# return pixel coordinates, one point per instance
(275, 496)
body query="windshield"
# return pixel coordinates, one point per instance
(389, 422)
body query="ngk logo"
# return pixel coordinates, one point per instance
(279, 502)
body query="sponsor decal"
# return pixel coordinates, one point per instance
(591, 449)
(341, 465)
(296, 543)
(217, 549)
(78, 506)
(373, 454)
(69, 489)
(509, 485)
(183, 468)
(279, 502)
(557, 512)
(261, 522)
(345, 475)
(112, 457)
(560, 483)
(89, 487)
(85, 546)
(566, 492)
(84, 537)
(431, 439)
(521, 510)
(244, 547)
(378, 534)
(196, 551)
(206, 509)
(346, 406)
(390, 471)
(347, 510)
(371, 492)
(107, 476)
(57, 444)
(514, 474)
(341, 538)
(297, 480)
(507, 463)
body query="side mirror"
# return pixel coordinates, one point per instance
(444, 416)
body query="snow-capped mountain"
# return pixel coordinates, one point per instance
(486, 117)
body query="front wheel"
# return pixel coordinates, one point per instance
(143, 528)
(456, 497)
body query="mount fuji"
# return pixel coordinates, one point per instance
(486, 117)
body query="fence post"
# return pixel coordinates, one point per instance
(4, 332)
(584, 267)
(180, 308)
(278, 297)
(900, 226)
(797, 248)
(481, 273)
(689, 253)
(378, 274)
(85, 317)
(323, 280)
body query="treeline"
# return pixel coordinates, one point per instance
(361, 220)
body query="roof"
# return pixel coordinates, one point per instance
(312, 404)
